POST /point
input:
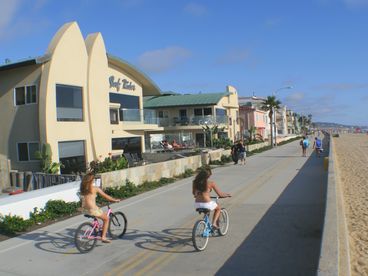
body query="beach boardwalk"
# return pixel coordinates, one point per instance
(276, 218)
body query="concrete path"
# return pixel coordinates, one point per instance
(276, 217)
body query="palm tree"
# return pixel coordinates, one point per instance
(270, 104)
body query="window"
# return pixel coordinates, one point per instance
(26, 151)
(69, 104)
(25, 95)
(31, 94)
(163, 114)
(207, 111)
(127, 105)
(182, 113)
(198, 112)
(220, 112)
(129, 144)
(114, 116)
(72, 156)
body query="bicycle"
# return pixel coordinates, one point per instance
(87, 234)
(203, 228)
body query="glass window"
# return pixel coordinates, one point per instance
(23, 152)
(125, 101)
(198, 112)
(20, 97)
(114, 116)
(32, 148)
(31, 94)
(69, 104)
(182, 113)
(220, 112)
(207, 111)
(72, 156)
(129, 144)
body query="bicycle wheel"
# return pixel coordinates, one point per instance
(117, 225)
(85, 237)
(199, 235)
(223, 222)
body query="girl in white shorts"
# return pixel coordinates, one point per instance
(202, 188)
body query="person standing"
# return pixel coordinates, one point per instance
(241, 152)
(305, 144)
(234, 153)
(317, 145)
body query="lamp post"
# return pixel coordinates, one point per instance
(274, 143)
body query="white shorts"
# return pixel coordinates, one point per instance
(206, 205)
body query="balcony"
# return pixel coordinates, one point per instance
(192, 121)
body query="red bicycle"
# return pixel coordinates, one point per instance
(88, 233)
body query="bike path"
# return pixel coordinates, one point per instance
(276, 217)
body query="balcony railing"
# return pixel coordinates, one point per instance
(148, 116)
(193, 121)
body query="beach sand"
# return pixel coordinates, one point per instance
(352, 163)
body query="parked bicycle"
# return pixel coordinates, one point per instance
(203, 228)
(88, 233)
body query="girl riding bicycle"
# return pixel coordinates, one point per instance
(88, 195)
(202, 188)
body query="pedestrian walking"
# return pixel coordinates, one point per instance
(317, 145)
(304, 144)
(234, 153)
(241, 152)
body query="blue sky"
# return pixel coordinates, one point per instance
(320, 47)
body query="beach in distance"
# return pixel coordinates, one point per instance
(352, 164)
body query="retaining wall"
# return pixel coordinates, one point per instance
(334, 254)
(4, 173)
(24, 203)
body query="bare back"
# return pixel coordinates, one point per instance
(204, 196)
(89, 200)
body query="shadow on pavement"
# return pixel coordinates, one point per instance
(174, 240)
(287, 239)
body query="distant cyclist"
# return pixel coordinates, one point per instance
(317, 145)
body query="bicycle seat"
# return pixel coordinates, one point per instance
(203, 210)
(89, 216)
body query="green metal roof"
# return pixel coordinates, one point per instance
(24, 62)
(183, 100)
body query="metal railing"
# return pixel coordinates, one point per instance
(193, 121)
(35, 180)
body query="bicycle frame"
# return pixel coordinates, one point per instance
(97, 225)
(208, 231)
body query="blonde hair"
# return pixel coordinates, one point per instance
(86, 184)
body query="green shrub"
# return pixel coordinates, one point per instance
(61, 208)
(108, 165)
(40, 216)
(12, 224)
(226, 159)
(222, 143)
(186, 173)
(165, 181)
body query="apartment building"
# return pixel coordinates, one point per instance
(251, 115)
(87, 105)
(83, 102)
(185, 117)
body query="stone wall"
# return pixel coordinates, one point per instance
(151, 172)
(4, 173)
